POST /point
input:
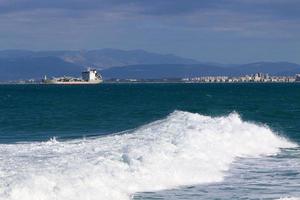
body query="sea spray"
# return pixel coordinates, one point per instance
(182, 149)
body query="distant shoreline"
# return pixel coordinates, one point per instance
(157, 82)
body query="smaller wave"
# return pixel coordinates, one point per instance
(53, 140)
(182, 149)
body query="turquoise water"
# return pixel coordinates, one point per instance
(39, 112)
(34, 117)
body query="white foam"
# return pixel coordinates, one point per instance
(182, 149)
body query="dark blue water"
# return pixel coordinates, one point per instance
(39, 112)
(55, 141)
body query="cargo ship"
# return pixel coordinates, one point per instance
(90, 76)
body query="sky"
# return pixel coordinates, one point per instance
(225, 31)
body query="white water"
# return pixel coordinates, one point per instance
(182, 149)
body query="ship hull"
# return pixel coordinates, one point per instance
(88, 77)
(72, 82)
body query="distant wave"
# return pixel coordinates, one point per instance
(182, 149)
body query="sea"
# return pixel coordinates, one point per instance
(150, 141)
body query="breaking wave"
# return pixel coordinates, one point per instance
(182, 149)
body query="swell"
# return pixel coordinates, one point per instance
(182, 149)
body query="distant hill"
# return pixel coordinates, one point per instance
(102, 58)
(272, 68)
(114, 63)
(193, 70)
(165, 71)
(26, 68)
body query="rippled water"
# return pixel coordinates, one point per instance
(150, 141)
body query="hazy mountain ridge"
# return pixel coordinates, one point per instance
(27, 68)
(102, 58)
(273, 68)
(165, 71)
(194, 70)
(114, 63)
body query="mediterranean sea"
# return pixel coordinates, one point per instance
(150, 141)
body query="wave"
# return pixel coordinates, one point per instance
(182, 149)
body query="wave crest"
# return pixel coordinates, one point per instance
(182, 149)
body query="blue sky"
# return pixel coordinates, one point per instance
(227, 31)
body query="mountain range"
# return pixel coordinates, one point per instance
(115, 63)
(194, 70)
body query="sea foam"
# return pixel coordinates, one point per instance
(182, 149)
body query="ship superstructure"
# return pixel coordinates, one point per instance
(90, 76)
(298, 77)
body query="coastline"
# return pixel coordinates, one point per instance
(148, 82)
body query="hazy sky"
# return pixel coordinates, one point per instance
(230, 31)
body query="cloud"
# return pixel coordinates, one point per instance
(159, 7)
(240, 16)
(154, 24)
(287, 9)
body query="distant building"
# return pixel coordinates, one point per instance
(258, 78)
